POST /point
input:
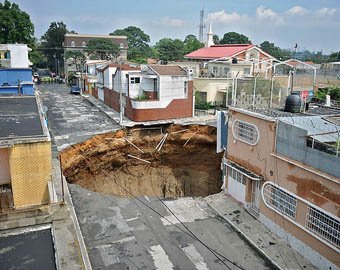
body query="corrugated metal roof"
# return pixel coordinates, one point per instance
(218, 51)
(317, 127)
(168, 70)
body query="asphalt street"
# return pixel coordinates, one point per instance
(145, 232)
(71, 118)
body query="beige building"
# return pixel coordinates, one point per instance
(25, 153)
(284, 168)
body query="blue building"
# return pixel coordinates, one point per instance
(16, 81)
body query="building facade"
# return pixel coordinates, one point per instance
(284, 169)
(14, 56)
(148, 93)
(25, 153)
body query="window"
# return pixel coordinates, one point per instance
(245, 132)
(185, 88)
(277, 199)
(73, 44)
(83, 44)
(201, 96)
(121, 45)
(226, 70)
(236, 175)
(134, 80)
(246, 71)
(323, 225)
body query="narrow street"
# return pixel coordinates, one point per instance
(141, 232)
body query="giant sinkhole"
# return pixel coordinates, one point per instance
(166, 161)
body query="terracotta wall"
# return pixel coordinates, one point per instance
(111, 98)
(178, 108)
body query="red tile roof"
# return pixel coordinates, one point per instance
(218, 51)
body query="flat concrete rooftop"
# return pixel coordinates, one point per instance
(19, 117)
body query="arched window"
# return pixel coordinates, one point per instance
(245, 132)
(73, 44)
(279, 200)
(83, 44)
(121, 45)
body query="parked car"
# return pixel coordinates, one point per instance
(75, 90)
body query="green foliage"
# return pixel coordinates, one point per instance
(137, 41)
(191, 43)
(78, 58)
(200, 104)
(102, 49)
(275, 51)
(333, 91)
(216, 39)
(234, 38)
(142, 97)
(334, 57)
(38, 59)
(15, 25)
(52, 44)
(170, 49)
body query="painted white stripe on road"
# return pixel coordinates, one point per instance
(160, 259)
(195, 257)
(134, 218)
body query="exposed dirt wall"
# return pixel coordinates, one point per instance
(186, 164)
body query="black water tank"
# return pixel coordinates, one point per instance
(293, 103)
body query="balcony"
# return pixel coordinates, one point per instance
(5, 63)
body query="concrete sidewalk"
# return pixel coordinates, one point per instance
(272, 248)
(115, 116)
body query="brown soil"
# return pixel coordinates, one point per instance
(103, 164)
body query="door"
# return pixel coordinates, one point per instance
(237, 185)
(101, 94)
(255, 196)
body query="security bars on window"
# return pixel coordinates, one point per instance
(280, 200)
(239, 177)
(245, 132)
(323, 225)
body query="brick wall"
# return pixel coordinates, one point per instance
(95, 92)
(111, 98)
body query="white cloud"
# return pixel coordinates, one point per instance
(224, 17)
(298, 10)
(323, 12)
(264, 14)
(172, 22)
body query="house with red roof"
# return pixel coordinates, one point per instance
(227, 60)
(151, 92)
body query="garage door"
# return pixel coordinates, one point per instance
(237, 185)
(101, 94)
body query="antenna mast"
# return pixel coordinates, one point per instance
(202, 26)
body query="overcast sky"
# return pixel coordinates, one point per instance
(312, 24)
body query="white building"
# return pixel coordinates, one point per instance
(14, 56)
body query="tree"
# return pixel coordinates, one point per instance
(216, 39)
(169, 49)
(102, 49)
(191, 43)
(137, 41)
(334, 57)
(15, 25)
(234, 38)
(77, 58)
(52, 44)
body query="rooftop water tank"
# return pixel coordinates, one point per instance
(293, 103)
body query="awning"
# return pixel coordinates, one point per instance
(243, 171)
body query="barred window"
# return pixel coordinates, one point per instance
(323, 225)
(245, 132)
(279, 200)
(239, 177)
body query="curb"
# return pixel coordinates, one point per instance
(83, 250)
(263, 254)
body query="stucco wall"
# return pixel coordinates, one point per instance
(5, 175)
(30, 167)
(212, 86)
(291, 142)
